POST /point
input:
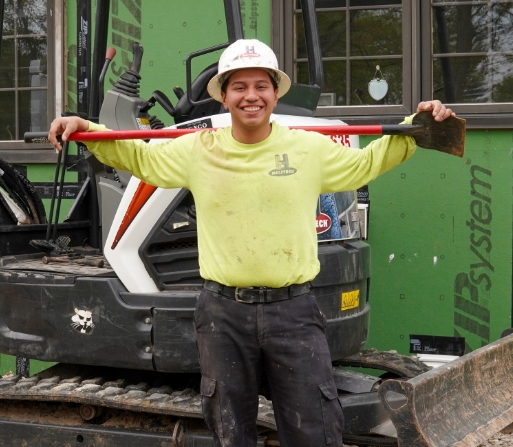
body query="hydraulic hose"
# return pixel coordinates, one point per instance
(22, 192)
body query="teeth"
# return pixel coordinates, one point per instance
(251, 109)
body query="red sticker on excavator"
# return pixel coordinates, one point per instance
(322, 223)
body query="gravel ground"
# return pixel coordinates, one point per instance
(504, 439)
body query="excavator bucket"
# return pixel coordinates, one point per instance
(460, 404)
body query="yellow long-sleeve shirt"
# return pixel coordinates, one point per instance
(256, 202)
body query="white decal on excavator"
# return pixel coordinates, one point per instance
(82, 321)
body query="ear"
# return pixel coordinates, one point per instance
(225, 105)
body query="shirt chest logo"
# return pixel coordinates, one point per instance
(282, 167)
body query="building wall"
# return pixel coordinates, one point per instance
(440, 232)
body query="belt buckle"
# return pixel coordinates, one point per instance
(238, 299)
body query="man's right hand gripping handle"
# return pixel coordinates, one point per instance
(63, 127)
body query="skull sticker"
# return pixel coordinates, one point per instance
(82, 321)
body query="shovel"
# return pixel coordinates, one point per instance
(447, 136)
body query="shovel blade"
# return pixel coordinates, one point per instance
(460, 404)
(446, 136)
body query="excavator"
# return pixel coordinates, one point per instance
(108, 296)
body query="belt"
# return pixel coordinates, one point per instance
(258, 295)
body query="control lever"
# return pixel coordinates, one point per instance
(109, 55)
(178, 91)
(160, 98)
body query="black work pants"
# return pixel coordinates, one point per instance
(287, 339)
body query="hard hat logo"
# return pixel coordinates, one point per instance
(247, 53)
(250, 52)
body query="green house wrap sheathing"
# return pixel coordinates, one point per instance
(440, 232)
(169, 31)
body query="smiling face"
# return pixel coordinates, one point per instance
(250, 97)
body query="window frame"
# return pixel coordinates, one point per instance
(417, 74)
(285, 9)
(478, 116)
(17, 151)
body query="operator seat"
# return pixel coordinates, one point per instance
(185, 111)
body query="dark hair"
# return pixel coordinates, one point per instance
(224, 86)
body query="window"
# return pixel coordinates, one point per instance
(26, 89)
(354, 42)
(472, 53)
(458, 51)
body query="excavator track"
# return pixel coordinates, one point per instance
(390, 361)
(60, 384)
(80, 385)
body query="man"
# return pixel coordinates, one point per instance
(258, 246)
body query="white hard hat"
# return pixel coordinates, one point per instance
(247, 53)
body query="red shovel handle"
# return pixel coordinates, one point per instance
(41, 137)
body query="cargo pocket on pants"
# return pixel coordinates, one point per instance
(331, 412)
(211, 406)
